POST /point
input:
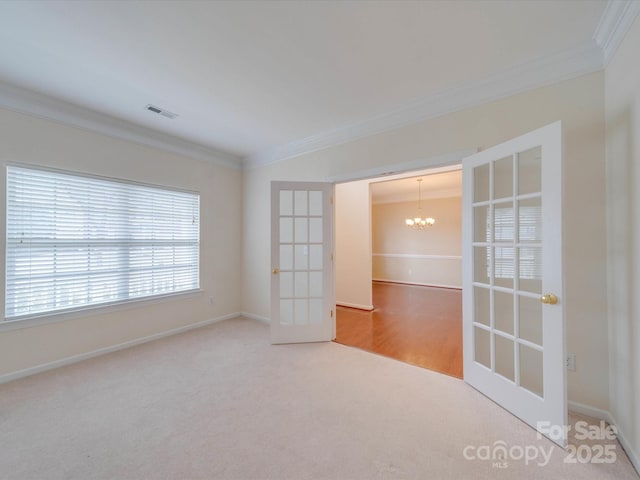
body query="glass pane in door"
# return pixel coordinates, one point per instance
(530, 220)
(530, 319)
(504, 266)
(301, 257)
(286, 257)
(482, 347)
(503, 222)
(482, 231)
(503, 311)
(286, 202)
(481, 185)
(481, 263)
(482, 313)
(300, 205)
(531, 370)
(529, 171)
(286, 284)
(503, 178)
(504, 357)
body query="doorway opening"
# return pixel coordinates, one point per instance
(399, 288)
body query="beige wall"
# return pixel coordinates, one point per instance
(579, 103)
(353, 244)
(623, 213)
(32, 140)
(431, 256)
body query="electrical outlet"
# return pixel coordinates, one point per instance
(571, 362)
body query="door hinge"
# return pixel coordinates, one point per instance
(331, 313)
(332, 257)
(331, 199)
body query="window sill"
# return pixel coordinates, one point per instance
(55, 317)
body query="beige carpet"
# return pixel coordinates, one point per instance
(220, 402)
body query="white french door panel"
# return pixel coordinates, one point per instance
(513, 309)
(302, 283)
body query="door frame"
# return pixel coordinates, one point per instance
(446, 160)
(392, 171)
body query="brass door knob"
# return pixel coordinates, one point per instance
(275, 271)
(549, 299)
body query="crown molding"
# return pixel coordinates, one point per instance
(571, 63)
(39, 105)
(614, 23)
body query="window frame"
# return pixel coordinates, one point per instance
(63, 314)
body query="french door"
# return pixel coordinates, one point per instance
(302, 284)
(513, 312)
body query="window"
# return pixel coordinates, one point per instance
(75, 241)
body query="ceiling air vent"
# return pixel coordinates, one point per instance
(160, 111)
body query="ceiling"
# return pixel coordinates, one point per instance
(258, 81)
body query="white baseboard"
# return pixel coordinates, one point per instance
(259, 318)
(590, 411)
(605, 415)
(7, 377)
(634, 456)
(386, 280)
(355, 305)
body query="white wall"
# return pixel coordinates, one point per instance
(622, 90)
(353, 244)
(36, 141)
(579, 103)
(431, 256)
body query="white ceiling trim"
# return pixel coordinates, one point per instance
(614, 24)
(564, 65)
(25, 101)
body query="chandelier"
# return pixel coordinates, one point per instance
(418, 222)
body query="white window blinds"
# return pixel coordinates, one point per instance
(75, 241)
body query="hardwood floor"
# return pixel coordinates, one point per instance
(415, 324)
